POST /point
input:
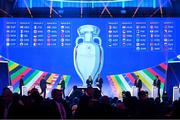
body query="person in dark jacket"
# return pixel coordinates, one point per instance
(99, 82)
(89, 82)
(62, 83)
(157, 83)
(43, 86)
(138, 83)
(21, 83)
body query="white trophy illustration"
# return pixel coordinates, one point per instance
(88, 53)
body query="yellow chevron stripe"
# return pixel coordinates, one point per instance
(119, 90)
(146, 83)
(13, 66)
(49, 80)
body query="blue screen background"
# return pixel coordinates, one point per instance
(59, 60)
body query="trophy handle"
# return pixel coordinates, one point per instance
(77, 40)
(99, 40)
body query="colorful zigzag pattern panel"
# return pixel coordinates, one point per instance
(124, 82)
(32, 77)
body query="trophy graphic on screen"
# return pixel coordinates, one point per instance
(178, 56)
(88, 52)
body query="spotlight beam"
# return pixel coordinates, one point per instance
(15, 2)
(135, 12)
(51, 8)
(56, 12)
(81, 9)
(102, 12)
(158, 9)
(5, 12)
(109, 12)
(170, 3)
(29, 11)
(105, 8)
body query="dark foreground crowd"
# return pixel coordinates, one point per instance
(84, 105)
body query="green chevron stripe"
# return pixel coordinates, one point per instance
(31, 76)
(120, 82)
(67, 80)
(14, 75)
(152, 77)
(10, 63)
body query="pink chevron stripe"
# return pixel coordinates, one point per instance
(130, 77)
(111, 82)
(56, 75)
(19, 76)
(49, 87)
(154, 73)
(164, 66)
(112, 85)
(38, 80)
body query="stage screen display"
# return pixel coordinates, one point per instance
(119, 49)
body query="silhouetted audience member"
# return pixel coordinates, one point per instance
(75, 93)
(86, 106)
(37, 105)
(74, 106)
(16, 110)
(82, 111)
(56, 108)
(7, 99)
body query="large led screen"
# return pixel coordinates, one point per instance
(119, 49)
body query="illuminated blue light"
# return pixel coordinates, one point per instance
(30, 4)
(92, 3)
(123, 11)
(61, 5)
(123, 4)
(154, 3)
(89, 1)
